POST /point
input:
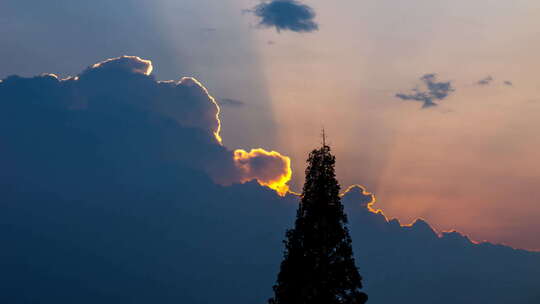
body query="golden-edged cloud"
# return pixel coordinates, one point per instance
(270, 169)
(204, 110)
(363, 196)
(126, 84)
(133, 64)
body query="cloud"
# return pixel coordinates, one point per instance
(124, 89)
(488, 80)
(231, 102)
(269, 168)
(360, 195)
(289, 15)
(105, 196)
(186, 100)
(204, 112)
(189, 103)
(485, 81)
(124, 64)
(433, 91)
(433, 257)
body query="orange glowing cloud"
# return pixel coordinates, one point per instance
(270, 169)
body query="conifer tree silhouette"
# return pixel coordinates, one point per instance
(318, 265)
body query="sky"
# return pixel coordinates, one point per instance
(153, 151)
(468, 163)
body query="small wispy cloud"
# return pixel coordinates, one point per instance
(431, 91)
(485, 81)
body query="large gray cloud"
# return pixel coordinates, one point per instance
(123, 88)
(290, 15)
(108, 199)
(431, 92)
(186, 100)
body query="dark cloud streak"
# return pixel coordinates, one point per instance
(231, 102)
(485, 81)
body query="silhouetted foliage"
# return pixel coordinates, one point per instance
(318, 265)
